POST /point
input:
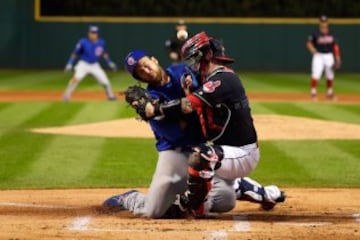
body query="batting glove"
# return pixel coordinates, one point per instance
(113, 66)
(68, 68)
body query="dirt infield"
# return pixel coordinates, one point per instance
(330, 214)
(98, 95)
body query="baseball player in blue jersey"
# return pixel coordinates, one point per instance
(161, 193)
(215, 170)
(174, 139)
(88, 52)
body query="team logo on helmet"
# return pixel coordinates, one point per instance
(131, 61)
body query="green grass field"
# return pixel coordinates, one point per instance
(254, 82)
(30, 160)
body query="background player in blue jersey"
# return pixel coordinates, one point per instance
(323, 46)
(88, 51)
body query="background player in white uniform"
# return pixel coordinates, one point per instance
(88, 51)
(323, 47)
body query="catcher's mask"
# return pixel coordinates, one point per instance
(131, 61)
(196, 49)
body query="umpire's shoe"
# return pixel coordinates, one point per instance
(117, 202)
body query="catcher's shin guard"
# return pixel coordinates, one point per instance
(202, 165)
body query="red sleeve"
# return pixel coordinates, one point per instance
(336, 50)
(195, 101)
(197, 105)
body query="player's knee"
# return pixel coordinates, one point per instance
(155, 212)
(224, 201)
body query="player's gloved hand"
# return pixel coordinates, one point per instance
(113, 66)
(68, 67)
(140, 100)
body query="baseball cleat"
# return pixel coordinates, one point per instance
(66, 98)
(314, 97)
(269, 204)
(117, 202)
(113, 98)
(331, 97)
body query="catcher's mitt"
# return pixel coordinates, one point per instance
(137, 97)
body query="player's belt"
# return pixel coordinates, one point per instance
(250, 146)
(239, 105)
(182, 149)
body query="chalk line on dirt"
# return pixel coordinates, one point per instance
(33, 205)
(305, 224)
(357, 217)
(218, 235)
(241, 223)
(80, 224)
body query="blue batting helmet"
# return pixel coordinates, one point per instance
(132, 60)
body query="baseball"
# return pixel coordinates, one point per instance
(182, 34)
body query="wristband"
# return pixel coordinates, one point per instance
(108, 61)
(157, 111)
(71, 61)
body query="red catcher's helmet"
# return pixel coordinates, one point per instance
(194, 48)
(219, 51)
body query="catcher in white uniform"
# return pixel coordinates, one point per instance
(323, 47)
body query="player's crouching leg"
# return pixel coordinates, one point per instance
(202, 165)
(222, 196)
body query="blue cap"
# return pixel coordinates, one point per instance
(93, 29)
(132, 60)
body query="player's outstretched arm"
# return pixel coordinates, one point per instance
(172, 109)
(70, 63)
(110, 63)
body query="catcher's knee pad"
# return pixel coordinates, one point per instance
(196, 195)
(202, 164)
(206, 156)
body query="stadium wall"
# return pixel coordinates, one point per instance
(29, 41)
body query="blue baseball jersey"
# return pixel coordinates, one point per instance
(89, 51)
(171, 134)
